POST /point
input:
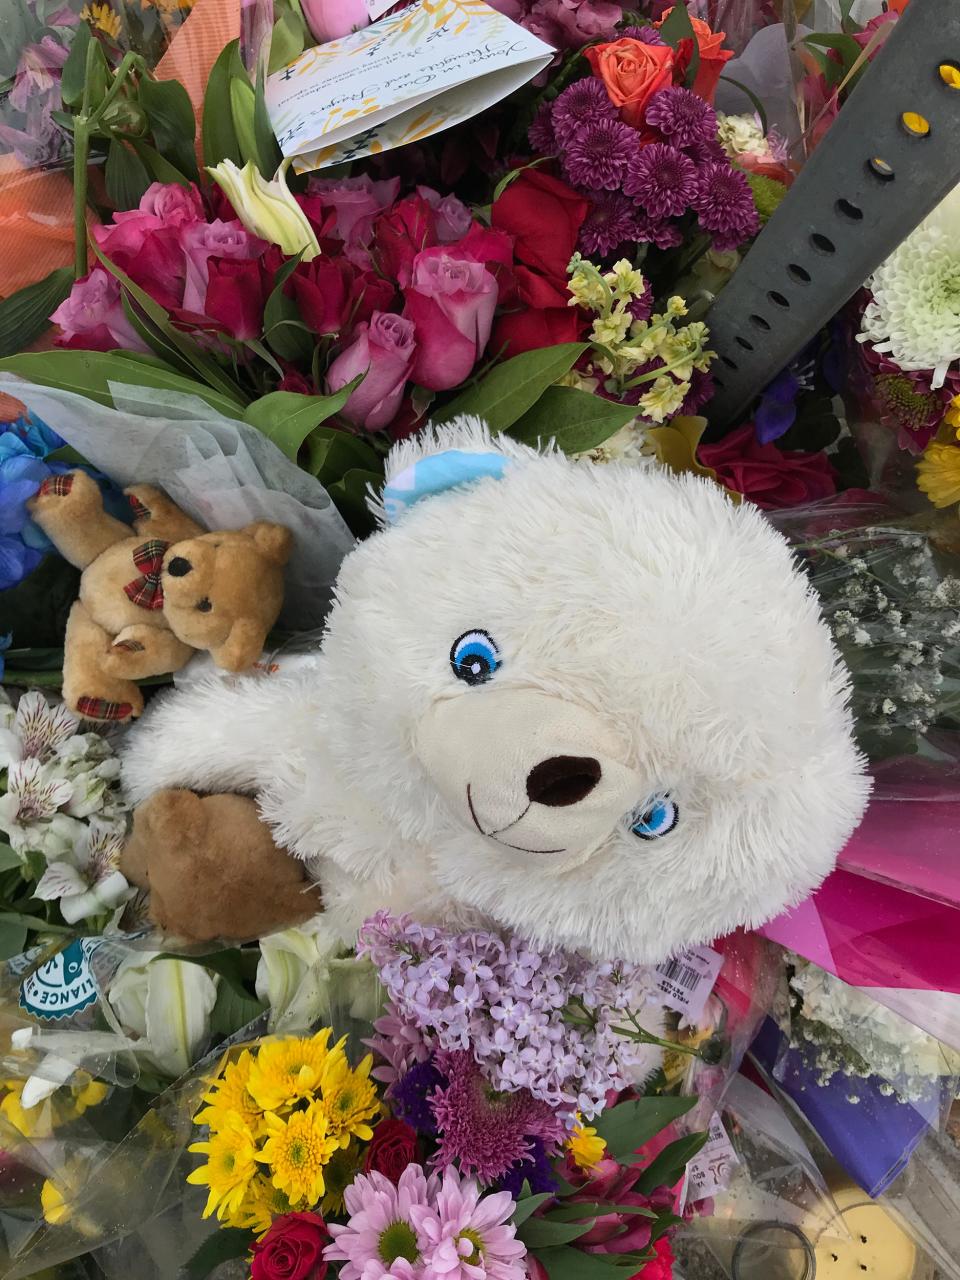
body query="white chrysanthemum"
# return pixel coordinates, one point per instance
(914, 315)
(741, 135)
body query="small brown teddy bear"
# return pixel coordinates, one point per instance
(152, 596)
(213, 869)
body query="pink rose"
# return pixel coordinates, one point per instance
(451, 300)
(92, 316)
(356, 202)
(174, 205)
(333, 19)
(382, 349)
(453, 218)
(203, 240)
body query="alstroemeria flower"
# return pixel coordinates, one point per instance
(91, 882)
(36, 730)
(34, 793)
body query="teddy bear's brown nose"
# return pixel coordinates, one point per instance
(563, 780)
(179, 567)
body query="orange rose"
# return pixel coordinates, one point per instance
(713, 57)
(631, 71)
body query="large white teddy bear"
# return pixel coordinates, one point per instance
(596, 705)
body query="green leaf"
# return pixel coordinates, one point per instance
(172, 122)
(242, 105)
(350, 497)
(676, 27)
(510, 389)
(287, 41)
(756, 103)
(159, 166)
(666, 1168)
(218, 135)
(228, 963)
(596, 1209)
(126, 176)
(13, 938)
(8, 858)
(204, 365)
(529, 1205)
(287, 417)
(269, 155)
(89, 373)
(539, 1233)
(233, 1011)
(154, 339)
(283, 328)
(74, 71)
(222, 1246)
(332, 453)
(629, 1125)
(565, 1263)
(576, 420)
(26, 313)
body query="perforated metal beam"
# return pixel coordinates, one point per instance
(864, 189)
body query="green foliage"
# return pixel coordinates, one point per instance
(171, 122)
(287, 417)
(577, 420)
(26, 313)
(510, 389)
(126, 176)
(627, 1126)
(218, 133)
(222, 1246)
(676, 27)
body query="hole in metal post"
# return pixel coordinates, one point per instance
(915, 124)
(823, 244)
(760, 322)
(880, 169)
(950, 74)
(798, 273)
(742, 342)
(778, 299)
(731, 364)
(846, 209)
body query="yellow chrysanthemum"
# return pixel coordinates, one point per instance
(952, 416)
(297, 1150)
(100, 15)
(350, 1097)
(231, 1164)
(340, 1171)
(585, 1147)
(289, 1069)
(54, 1203)
(31, 1122)
(230, 1093)
(86, 1092)
(262, 1203)
(938, 473)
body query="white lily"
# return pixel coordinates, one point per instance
(88, 881)
(268, 209)
(167, 1004)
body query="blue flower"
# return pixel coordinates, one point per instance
(777, 410)
(5, 643)
(16, 561)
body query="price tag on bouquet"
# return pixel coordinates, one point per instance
(709, 1170)
(686, 981)
(406, 76)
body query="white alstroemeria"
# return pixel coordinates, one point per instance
(89, 881)
(54, 839)
(36, 730)
(167, 1004)
(268, 209)
(35, 792)
(93, 788)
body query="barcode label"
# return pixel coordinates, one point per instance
(685, 982)
(710, 1169)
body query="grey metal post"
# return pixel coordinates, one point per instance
(865, 188)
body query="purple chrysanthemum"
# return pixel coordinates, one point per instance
(642, 308)
(705, 151)
(701, 390)
(681, 117)
(541, 134)
(408, 1096)
(662, 180)
(536, 1169)
(665, 234)
(584, 102)
(724, 205)
(612, 220)
(598, 154)
(485, 1131)
(646, 35)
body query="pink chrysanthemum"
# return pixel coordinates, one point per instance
(584, 102)
(468, 1236)
(611, 221)
(598, 154)
(486, 1131)
(382, 1238)
(724, 205)
(662, 180)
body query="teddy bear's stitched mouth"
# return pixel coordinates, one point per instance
(492, 835)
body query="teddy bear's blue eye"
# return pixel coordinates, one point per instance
(474, 657)
(656, 818)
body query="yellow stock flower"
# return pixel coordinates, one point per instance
(31, 1122)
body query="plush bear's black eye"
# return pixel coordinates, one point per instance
(204, 605)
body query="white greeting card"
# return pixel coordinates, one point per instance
(403, 78)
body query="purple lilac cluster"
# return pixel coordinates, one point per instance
(643, 182)
(503, 1001)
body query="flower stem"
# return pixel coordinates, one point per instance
(81, 154)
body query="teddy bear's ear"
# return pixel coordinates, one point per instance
(273, 540)
(445, 457)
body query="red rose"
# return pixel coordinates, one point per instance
(292, 1249)
(660, 1267)
(527, 330)
(370, 293)
(237, 292)
(451, 300)
(544, 216)
(399, 235)
(768, 476)
(713, 58)
(392, 1147)
(323, 289)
